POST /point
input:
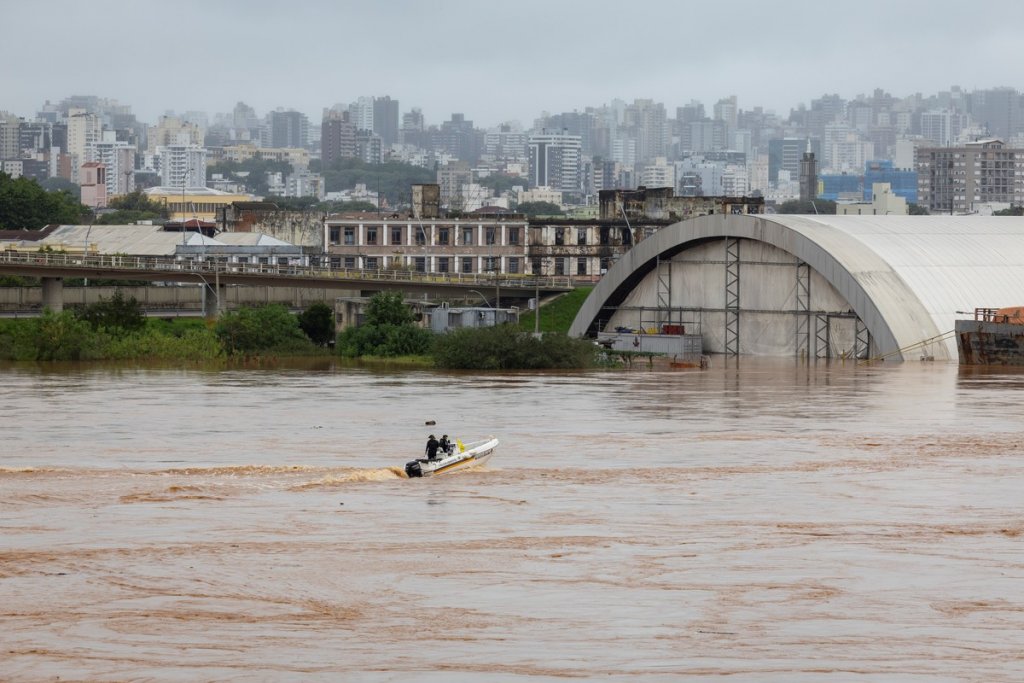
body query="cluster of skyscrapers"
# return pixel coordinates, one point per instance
(954, 151)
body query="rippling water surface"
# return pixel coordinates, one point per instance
(761, 522)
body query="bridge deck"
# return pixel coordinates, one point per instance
(163, 269)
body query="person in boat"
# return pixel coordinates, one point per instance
(432, 446)
(445, 444)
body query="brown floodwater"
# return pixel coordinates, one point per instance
(759, 521)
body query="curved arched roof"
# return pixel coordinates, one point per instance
(906, 277)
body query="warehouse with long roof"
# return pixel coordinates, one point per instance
(813, 286)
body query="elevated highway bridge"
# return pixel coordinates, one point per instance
(53, 267)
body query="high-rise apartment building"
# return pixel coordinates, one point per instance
(83, 130)
(942, 127)
(182, 164)
(955, 179)
(555, 162)
(361, 113)
(289, 129)
(10, 135)
(999, 111)
(505, 144)
(337, 137)
(385, 120)
(646, 122)
(118, 158)
(168, 130)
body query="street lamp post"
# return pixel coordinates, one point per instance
(536, 305)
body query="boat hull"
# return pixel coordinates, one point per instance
(990, 343)
(474, 455)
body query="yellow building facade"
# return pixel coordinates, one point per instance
(194, 202)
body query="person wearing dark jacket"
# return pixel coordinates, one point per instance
(445, 444)
(432, 446)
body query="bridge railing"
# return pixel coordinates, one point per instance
(176, 266)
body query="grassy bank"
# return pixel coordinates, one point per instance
(558, 314)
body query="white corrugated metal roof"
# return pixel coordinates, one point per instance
(949, 263)
(147, 240)
(135, 240)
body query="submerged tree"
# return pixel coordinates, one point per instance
(388, 329)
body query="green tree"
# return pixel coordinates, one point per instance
(387, 308)
(505, 347)
(312, 204)
(116, 314)
(1012, 211)
(917, 210)
(533, 209)
(132, 208)
(317, 323)
(138, 201)
(24, 204)
(388, 329)
(267, 328)
(500, 182)
(392, 180)
(58, 184)
(62, 336)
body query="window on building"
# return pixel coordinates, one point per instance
(581, 266)
(420, 263)
(442, 235)
(559, 266)
(467, 264)
(243, 259)
(264, 260)
(335, 262)
(559, 237)
(442, 264)
(535, 266)
(581, 235)
(372, 262)
(334, 234)
(396, 235)
(282, 260)
(467, 236)
(350, 236)
(606, 263)
(513, 235)
(491, 235)
(350, 261)
(513, 265)
(371, 235)
(421, 236)
(490, 264)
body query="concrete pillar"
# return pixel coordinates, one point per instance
(214, 302)
(53, 293)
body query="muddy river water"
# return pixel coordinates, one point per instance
(760, 521)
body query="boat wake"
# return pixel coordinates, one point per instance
(352, 476)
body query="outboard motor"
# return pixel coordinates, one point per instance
(413, 469)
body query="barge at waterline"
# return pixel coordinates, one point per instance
(993, 337)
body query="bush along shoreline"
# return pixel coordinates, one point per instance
(116, 329)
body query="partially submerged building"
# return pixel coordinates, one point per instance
(873, 286)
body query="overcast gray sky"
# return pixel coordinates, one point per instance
(497, 61)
